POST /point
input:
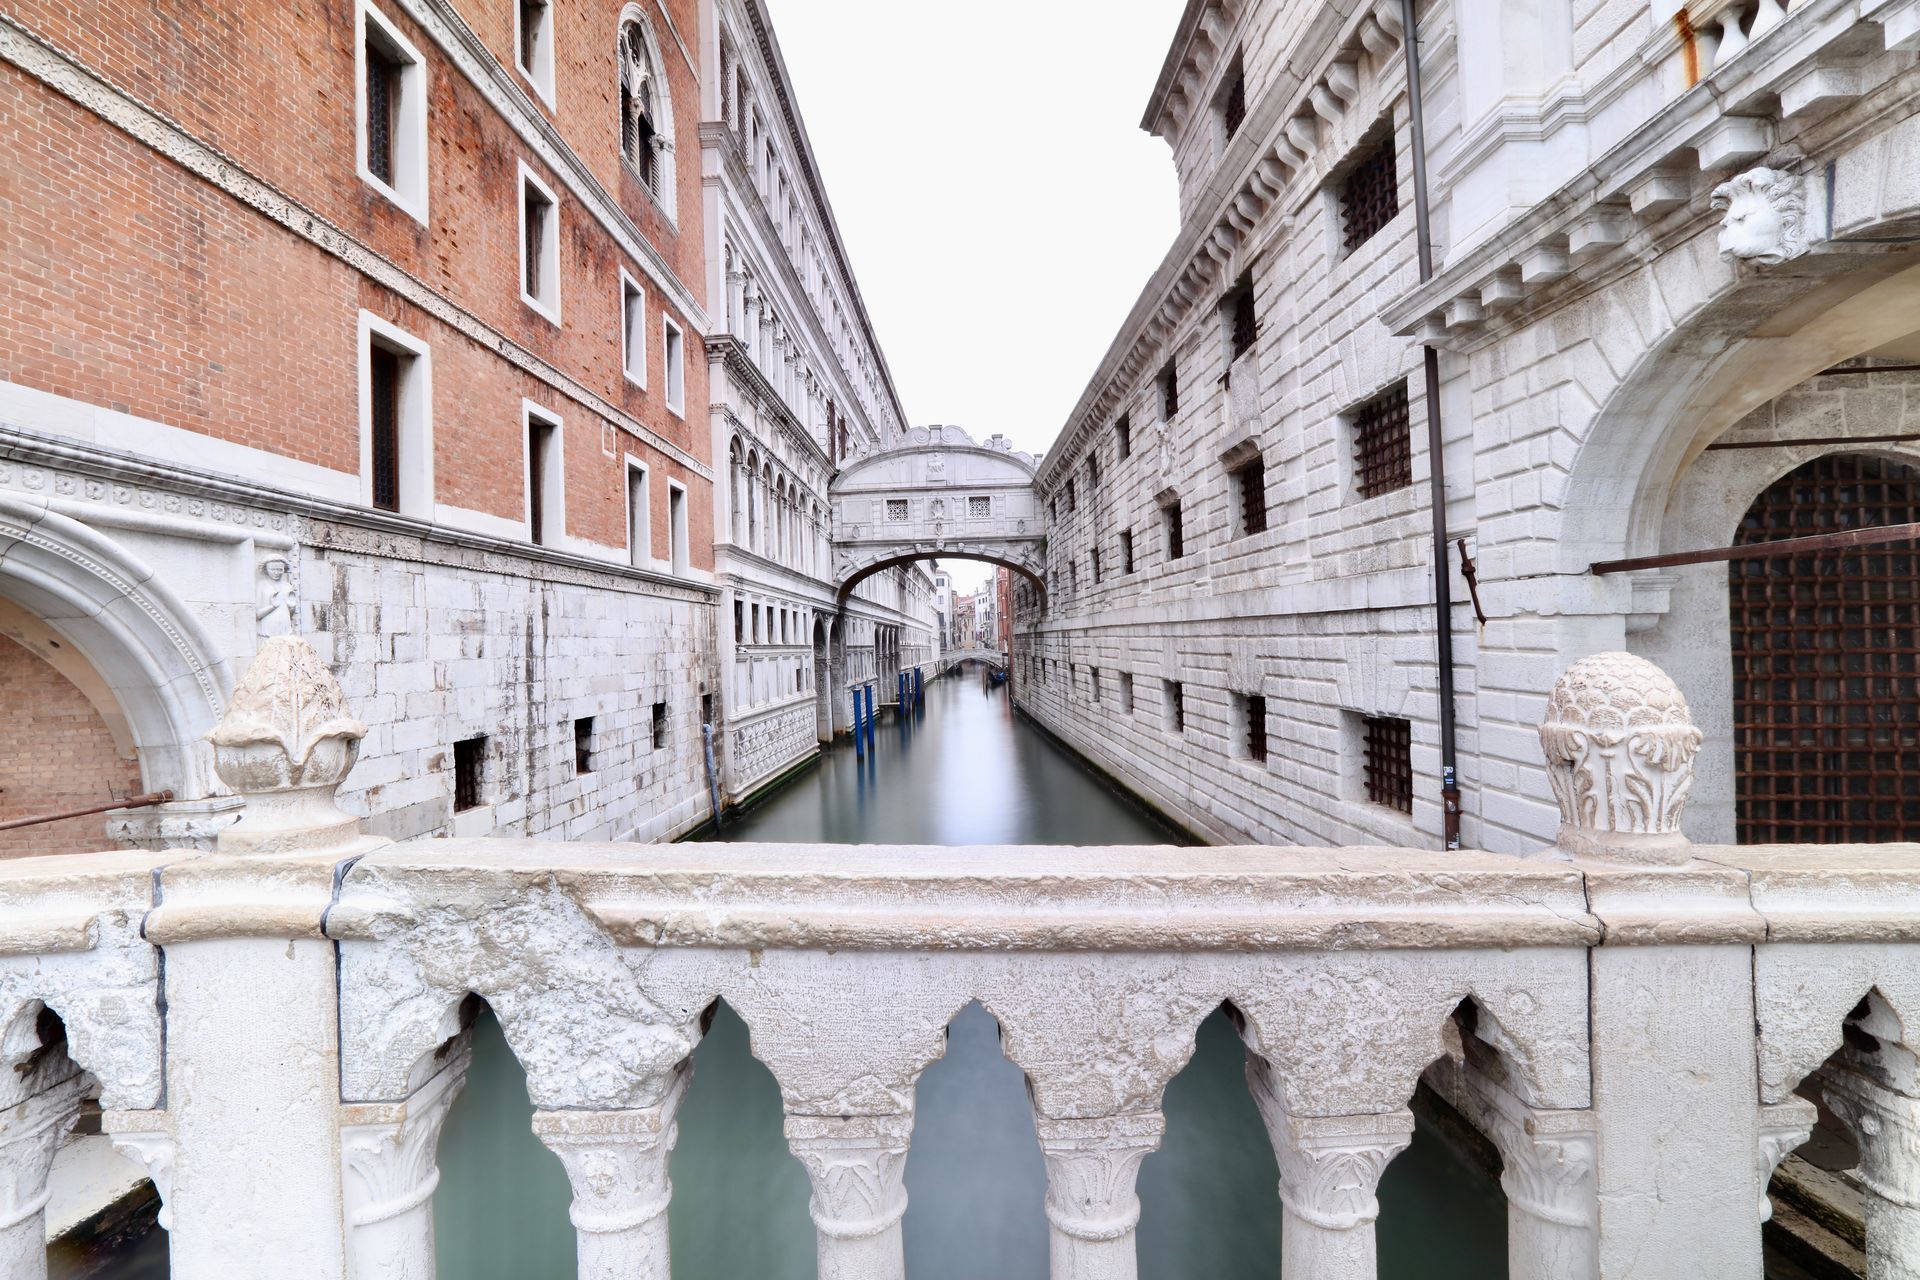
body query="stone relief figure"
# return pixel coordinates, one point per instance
(274, 598)
(1764, 216)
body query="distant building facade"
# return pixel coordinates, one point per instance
(1673, 293)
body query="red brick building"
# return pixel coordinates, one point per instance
(380, 321)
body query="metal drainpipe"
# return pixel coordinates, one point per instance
(1436, 453)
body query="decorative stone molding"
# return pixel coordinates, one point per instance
(146, 1136)
(286, 743)
(1330, 1166)
(1783, 1126)
(1092, 1166)
(857, 1165)
(1619, 745)
(1764, 216)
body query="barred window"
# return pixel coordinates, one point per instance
(1094, 557)
(1176, 539)
(468, 756)
(1388, 743)
(1126, 551)
(979, 508)
(583, 745)
(896, 508)
(1176, 707)
(1371, 195)
(1126, 694)
(1253, 726)
(1093, 471)
(659, 725)
(1093, 682)
(1073, 499)
(1123, 437)
(1170, 391)
(1382, 443)
(1250, 488)
(1233, 109)
(1237, 311)
(383, 91)
(383, 377)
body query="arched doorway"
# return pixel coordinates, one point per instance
(1826, 660)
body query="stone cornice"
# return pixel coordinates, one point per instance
(364, 530)
(62, 74)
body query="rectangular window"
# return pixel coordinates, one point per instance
(383, 377)
(1123, 437)
(1093, 682)
(396, 429)
(583, 745)
(633, 330)
(639, 517)
(979, 508)
(896, 509)
(1233, 102)
(677, 527)
(1176, 537)
(1250, 491)
(1073, 499)
(1170, 391)
(673, 362)
(1094, 559)
(1253, 725)
(533, 45)
(1073, 578)
(1126, 694)
(659, 725)
(1382, 443)
(739, 622)
(1093, 472)
(1236, 314)
(1370, 196)
(539, 246)
(469, 754)
(391, 99)
(1176, 707)
(1388, 743)
(1126, 551)
(545, 521)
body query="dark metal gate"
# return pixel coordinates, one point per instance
(1826, 661)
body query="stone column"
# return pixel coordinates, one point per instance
(616, 1162)
(1091, 1206)
(251, 1130)
(1886, 1121)
(44, 1102)
(390, 1174)
(1330, 1168)
(857, 1166)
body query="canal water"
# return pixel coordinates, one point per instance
(965, 770)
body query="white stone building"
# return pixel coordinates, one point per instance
(799, 389)
(1671, 244)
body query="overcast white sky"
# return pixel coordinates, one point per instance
(999, 202)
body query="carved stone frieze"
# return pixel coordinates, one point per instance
(1619, 745)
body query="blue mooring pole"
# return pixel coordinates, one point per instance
(869, 715)
(919, 689)
(900, 691)
(859, 739)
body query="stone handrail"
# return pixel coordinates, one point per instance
(1632, 1021)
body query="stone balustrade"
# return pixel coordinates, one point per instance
(277, 1029)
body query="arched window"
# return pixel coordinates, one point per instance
(646, 114)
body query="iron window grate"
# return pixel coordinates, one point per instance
(659, 725)
(1826, 661)
(383, 373)
(1251, 481)
(1126, 551)
(383, 90)
(468, 756)
(1371, 195)
(1177, 706)
(583, 745)
(1234, 112)
(1245, 327)
(1382, 443)
(1123, 437)
(1256, 713)
(1389, 761)
(1170, 391)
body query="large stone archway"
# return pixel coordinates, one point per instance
(161, 675)
(937, 493)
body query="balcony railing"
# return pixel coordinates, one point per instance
(1626, 1017)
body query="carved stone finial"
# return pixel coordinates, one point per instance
(1764, 216)
(1619, 743)
(286, 743)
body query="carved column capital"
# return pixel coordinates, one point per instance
(1887, 1124)
(1783, 1126)
(1330, 1166)
(857, 1165)
(389, 1148)
(1619, 743)
(1549, 1174)
(616, 1161)
(30, 1133)
(1091, 1170)
(146, 1136)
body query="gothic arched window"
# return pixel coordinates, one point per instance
(646, 117)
